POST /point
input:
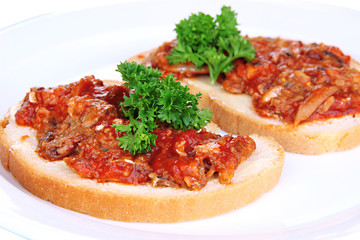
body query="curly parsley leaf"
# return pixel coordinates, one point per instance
(137, 138)
(155, 98)
(201, 39)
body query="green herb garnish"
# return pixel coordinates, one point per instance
(155, 98)
(216, 43)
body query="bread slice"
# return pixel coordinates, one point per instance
(235, 113)
(59, 184)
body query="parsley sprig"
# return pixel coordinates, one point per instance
(201, 39)
(155, 98)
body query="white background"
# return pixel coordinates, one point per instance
(15, 11)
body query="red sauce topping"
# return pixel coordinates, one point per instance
(74, 124)
(289, 80)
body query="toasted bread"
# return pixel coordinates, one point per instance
(235, 113)
(54, 181)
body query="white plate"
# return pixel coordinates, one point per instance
(317, 196)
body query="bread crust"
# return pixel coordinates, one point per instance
(236, 114)
(57, 183)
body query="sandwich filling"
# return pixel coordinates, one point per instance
(287, 80)
(74, 123)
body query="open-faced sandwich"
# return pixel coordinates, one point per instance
(133, 151)
(306, 96)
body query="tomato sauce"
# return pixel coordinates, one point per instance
(74, 124)
(289, 80)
